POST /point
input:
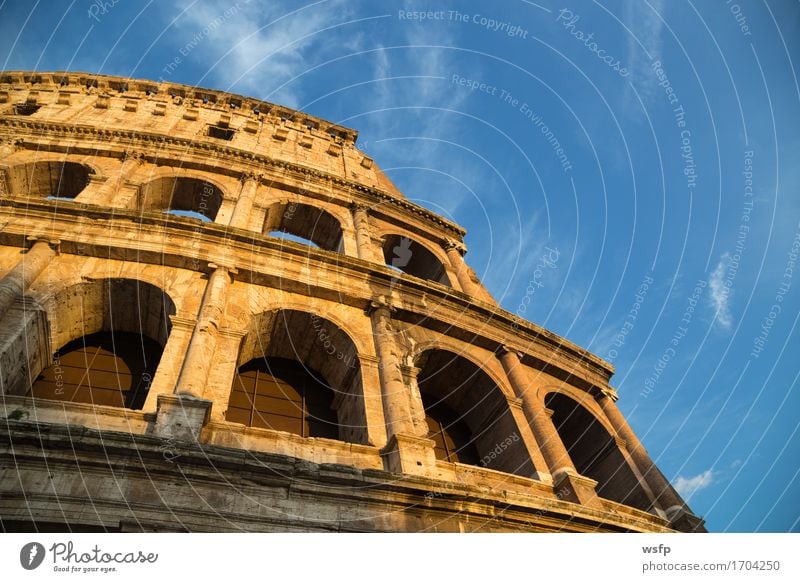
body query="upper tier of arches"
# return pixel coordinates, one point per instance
(327, 225)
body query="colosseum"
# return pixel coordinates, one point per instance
(218, 314)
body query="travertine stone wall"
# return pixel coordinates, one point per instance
(89, 167)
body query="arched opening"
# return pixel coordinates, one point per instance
(111, 334)
(106, 368)
(282, 394)
(49, 179)
(305, 224)
(595, 453)
(468, 415)
(408, 256)
(452, 437)
(191, 197)
(299, 373)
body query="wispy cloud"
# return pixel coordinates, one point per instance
(409, 103)
(688, 486)
(719, 293)
(256, 48)
(645, 25)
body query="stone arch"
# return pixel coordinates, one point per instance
(106, 304)
(324, 357)
(189, 195)
(49, 178)
(465, 351)
(307, 221)
(104, 341)
(466, 398)
(410, 256)
(581, 397)
(595, 452)
(331, 311)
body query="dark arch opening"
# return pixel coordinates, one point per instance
(408, 256)
(106, 369)
(468, 415)
(452, 437)
(49, 179)
(111, 334)
(595, 453)
(304, 223)
(282, 394)
(299, 373)
(191, 197)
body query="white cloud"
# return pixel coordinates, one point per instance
(688, 486)
(645, 25)
(720, 293)
(254, 48)
(411, 103)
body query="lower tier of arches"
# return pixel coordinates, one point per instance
(295, 375)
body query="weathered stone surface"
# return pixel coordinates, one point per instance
(380, 305)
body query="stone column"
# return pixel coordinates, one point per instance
(373, 401)
(169, 367)
(223, 372)
(194, 373)
(567, 483)
(405, 452)
(455, 253)
(244, 205)
(364, 245)
(183, 415)
(274, 216)
(106, 192)
(678, 513)
(25, 272)
(410, 374)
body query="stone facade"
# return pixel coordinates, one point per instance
(174, 213)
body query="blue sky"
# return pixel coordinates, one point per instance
(627, 173)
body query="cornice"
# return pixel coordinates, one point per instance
(129, 88)
(130, 137)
